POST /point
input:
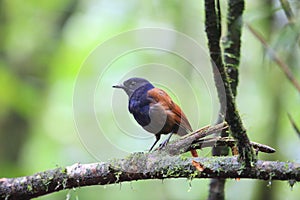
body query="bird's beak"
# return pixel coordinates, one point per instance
(118, 86)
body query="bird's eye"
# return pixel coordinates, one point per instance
(132, 83)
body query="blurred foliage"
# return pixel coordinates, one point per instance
(43, 45)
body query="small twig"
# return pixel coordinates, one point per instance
(287, 10)
(183, 144)
(207, 130)
(197, 140)
(229, 142)
(262, 147)
(297, 130)
(276, 58)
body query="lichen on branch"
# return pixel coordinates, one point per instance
(142, 166)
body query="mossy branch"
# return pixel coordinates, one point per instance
(142, 166)
(159, 164)
(231, 45)
(227, 99)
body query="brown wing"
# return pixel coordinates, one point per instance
(174, 112)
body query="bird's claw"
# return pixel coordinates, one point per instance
(163, 144)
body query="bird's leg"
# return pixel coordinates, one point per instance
(164, 143)
(157, 139)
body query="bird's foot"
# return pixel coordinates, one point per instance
(163, 144)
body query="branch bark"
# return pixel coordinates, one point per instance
(231, 61)
(231, 45)
(213, 31)
(142, 166)
(159, 164)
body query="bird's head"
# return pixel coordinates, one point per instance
(130, 85)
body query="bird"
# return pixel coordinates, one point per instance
(154, 110)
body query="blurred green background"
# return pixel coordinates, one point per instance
(44, 44)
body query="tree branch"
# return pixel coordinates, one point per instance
(232, 43)
(231, 46)
(159, 164)
(274, 56)
(295, 127)
(228, 142)
(142, 166)
(213, 31)
(287, 10)
(198, 140)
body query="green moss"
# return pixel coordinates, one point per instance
(63, 170)
(183, 158)
(286, 167)
(29, 188)
(46, 183)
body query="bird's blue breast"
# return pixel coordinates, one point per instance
(139, 104)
